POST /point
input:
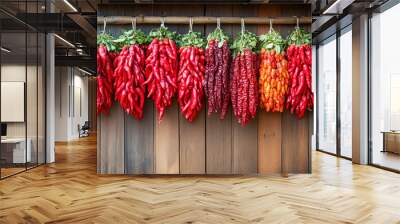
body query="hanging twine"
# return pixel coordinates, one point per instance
(162, 22)
(242, 25)
(297, 22)
(134, 23)
(270, 25)
(218, 23)
(104, 24)
(190, 24)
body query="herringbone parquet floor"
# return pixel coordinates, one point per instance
(69, 191)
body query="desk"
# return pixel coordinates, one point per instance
(15, 148)
(391, 141)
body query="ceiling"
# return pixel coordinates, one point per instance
(72, 20)
(330, 15)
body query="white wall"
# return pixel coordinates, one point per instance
(70, 83)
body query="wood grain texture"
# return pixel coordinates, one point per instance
(166, 141)
(269, 142)
(245, 143)
(192, 145)
(226, 146)
(70, 191)
(219, 132)
(112, 142)
(139, 145)
(269, 124)
(295, 144)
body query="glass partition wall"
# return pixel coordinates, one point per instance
(22, 77)
(385, 89)
(334, 93)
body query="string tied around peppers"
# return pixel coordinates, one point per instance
(129, 72)
(161, 68)
(244, 86)
(274, 76)
(217, 78)
(299, 55)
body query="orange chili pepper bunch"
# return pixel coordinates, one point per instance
(274, 76)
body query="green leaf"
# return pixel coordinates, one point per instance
(272, 41)
(245, 40)
(299, 37)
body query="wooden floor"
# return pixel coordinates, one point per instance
(69, 191)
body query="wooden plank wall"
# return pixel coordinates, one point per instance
(271, 143)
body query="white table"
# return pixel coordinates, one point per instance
(19, 154)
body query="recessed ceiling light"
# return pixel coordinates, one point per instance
(70, 5)
(5, 49)
(86, 72)
(64, 40)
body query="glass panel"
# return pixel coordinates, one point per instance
(13, 89)
(385, 84)
(346, 93)
(327, 96)
(41, 98)
(32, 98)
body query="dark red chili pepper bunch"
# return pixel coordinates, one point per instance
(191, 74)
(299, 54)
(104, 73)
(217, 79)
(162, 69)
(129, 73)
(244, 85)
(274, 76)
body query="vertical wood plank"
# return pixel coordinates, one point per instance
(245, 139)
(295, 144)
(112, 141)
(269, 142)
(192, 145)
(166, 141)
(98, 144)
(219, 132)
(269, 124)
(139, 145)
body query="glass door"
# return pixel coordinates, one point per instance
(345, 93)
(326, 99)
(385, 89)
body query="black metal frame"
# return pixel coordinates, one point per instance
(44, 79)
(339, 32)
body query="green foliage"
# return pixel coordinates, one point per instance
(194, 39)
(299, 37)
(163, 33)
(272, 41)
(106, 40)
(131, 37)
(219, 35)
(245, 40)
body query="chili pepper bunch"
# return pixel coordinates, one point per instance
(274, 76)
(217, 81)
(191, 74)
(244, 86)
(104, 73)
(299, 54)
(129, 73)
(161, 69)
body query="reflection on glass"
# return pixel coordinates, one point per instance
(385, 84)
(41, 98)
(15, 150)
(327, 96)
(31, 101)
(346, 94)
